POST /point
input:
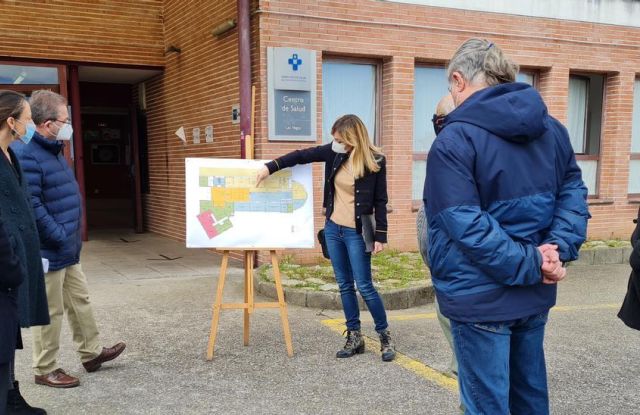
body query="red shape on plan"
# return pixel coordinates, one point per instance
(206, 220)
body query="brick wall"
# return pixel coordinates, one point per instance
(198, 88)
(398, 35)
(114, 31)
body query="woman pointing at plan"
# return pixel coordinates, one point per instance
(355, 198)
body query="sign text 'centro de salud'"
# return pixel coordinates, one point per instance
(292, 94)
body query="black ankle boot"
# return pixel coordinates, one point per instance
(387, 347)
(16, 405)
(354, 345)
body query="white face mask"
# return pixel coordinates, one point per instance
(65, 132)
(338, 147)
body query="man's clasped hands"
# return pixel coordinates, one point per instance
(552, 269)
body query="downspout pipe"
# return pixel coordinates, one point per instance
(244, 64)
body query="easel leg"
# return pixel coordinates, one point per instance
(248, 255)
(283, 304)
(216, 306)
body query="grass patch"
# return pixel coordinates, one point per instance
(391, 270)
(612, 243)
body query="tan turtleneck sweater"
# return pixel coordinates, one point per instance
(344, 198)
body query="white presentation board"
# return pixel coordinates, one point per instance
(225, 209)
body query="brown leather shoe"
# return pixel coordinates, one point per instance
(108, 353)
(57, 379)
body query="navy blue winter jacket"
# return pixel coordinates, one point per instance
(502, 179)
(56, 201)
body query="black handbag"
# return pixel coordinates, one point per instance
(323, 244)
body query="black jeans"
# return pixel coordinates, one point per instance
(4, 387)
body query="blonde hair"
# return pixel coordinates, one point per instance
(365, 156)
(480, 60)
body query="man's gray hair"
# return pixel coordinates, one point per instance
(482, 61)
(45, 105)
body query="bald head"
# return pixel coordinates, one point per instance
(445, 106)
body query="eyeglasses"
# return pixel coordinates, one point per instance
(56, 120)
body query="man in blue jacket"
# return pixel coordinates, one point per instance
(506, 207)
(57, 206)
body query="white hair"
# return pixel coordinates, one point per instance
(482, 61)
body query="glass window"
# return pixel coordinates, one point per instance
(430, 86)
(348, 88)
(634, 167)
(28, 75)
(584, 123)
(526, 77)
(577, 112)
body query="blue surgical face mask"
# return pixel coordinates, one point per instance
(29, 130)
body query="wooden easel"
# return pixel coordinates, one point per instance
(249, 304)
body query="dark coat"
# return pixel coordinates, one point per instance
(55, 198)
(630, 310)
(20, 225)
(371, 189)
(12, 274)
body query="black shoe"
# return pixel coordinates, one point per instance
(354, 345)
(16, 405)
(386, 346)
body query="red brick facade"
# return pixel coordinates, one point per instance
(199, 85)
(114, 32)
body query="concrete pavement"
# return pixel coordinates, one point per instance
(162, 309)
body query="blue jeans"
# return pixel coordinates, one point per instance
(501, 367)
(352, 264)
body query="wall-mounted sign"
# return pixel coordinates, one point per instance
(292, 94)
(196, 135)
(235, 114)
(208, 133)
(293, 117)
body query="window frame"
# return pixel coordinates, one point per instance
(377, 64)
(421, 155)
(585, 156)
(60, 88)
(633, 156)
(535, 74)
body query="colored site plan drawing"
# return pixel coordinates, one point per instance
(234, 190)
(225, 209)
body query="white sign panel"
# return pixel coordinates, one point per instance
(291, 83)
(292, 68)
(225, 209)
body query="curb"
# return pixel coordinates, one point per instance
(603, 256)
(399, 299)
(404, 298)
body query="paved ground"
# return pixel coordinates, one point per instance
(161, 308)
